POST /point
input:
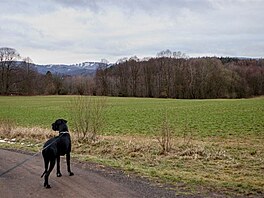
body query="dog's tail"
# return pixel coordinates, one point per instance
(46, 162)
(43, 173)
(46, 167)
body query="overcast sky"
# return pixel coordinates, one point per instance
(73, 31)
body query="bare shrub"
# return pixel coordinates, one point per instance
(164, 136)
(88, 116)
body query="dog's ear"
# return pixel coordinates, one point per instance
(65, 121)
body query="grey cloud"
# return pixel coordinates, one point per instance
(79, 4)
(129, 6)
(26, 7)
(117, 28)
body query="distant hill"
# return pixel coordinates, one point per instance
(89, 68)
(84, 69)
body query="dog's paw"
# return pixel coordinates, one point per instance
(71, 173)
(59, 174)
(47, 186)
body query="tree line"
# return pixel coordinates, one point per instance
(186, 78)
(18, 76)
(160, 77)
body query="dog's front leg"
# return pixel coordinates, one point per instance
(68, 158)
(58, 167)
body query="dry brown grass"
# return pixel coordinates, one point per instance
(6, 126)
(29, 134)
(231, 165)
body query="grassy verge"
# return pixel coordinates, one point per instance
(231, 166)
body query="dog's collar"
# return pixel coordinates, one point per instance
(63, 132)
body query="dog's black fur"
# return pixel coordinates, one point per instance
(56, 147)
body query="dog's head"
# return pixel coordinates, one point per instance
(60, 125)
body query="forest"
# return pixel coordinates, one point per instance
(159, 77)
(192, 78)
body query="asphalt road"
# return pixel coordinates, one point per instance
(90, 180)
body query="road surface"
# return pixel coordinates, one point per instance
(90, 180)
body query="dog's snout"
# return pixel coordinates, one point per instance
(53, 125)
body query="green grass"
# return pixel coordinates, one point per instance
(143, 116)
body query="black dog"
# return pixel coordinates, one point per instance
(56, 147)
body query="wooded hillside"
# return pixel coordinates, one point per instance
(193, 78)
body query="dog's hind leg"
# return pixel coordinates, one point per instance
(52, 164)
(58, 167)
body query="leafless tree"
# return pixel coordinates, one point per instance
(8, 65)
(27, 76)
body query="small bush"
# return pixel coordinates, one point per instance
(165, 135)
(88, 116)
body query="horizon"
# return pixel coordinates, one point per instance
(141, 59)
(238, 57)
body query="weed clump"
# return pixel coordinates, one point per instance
(6, 127)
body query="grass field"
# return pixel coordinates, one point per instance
(142, 116)
(217, 145)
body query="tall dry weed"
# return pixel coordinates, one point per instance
(164, 136)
